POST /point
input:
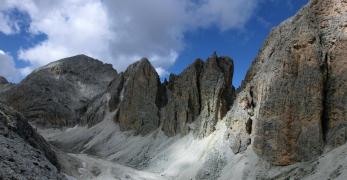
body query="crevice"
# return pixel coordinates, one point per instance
(226, 101)
(251, 93)
(249, 126)
(325, 110)
(115, 99)
(199, 68)
(161, 99)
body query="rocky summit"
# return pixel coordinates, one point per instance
(57, 94)
(288, 120)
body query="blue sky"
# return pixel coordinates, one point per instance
(172, 34)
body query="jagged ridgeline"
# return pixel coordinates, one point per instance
(291, 107)
(80, 90)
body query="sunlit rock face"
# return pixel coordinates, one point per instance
(295, 91)
(192, 101)
(57, 94)
(24, 153)
(332, 19)
(198, 97)
(290, 108)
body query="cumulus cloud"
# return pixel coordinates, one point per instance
(8, 68)
(226, 14)
(5, 27)
(121, 32)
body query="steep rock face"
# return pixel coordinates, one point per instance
(295, 90)
(135, 93)
(183, 100)
(216, 92)
(24, 153)
(192, 101)
(3, 80)
(332, 19)
(57, 94)
(104, 103)
(5, 86)
(198, 97)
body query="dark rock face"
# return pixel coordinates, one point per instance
(183, 100)
(24, 153)
(198, 97)
(58, 93)
(216, 92)
(3, 80)
(192, 101)
(295, 91)
(5, 87)
(137, 109)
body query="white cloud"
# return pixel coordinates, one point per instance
(226, 14)
(8, 69)
(121, 32)
(4, 26)
(162, 72)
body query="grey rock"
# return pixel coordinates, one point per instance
(192, 101)
(292, 92)
(5, 87)
(183, 100)
(57, 94)
(332, 18)
(24, 153)
(135, 94)
(216, 93)
(198, 97)
(3, 80)
(290, 95)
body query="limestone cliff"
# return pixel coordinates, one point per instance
(192, 101)
(198, 97)
(295, 91)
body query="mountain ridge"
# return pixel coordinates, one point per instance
(289, 112)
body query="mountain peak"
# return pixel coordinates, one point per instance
(3, 80)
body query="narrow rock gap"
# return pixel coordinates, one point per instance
(251, 93)
(249, 124)
(198, 77)
(161, 98)
(115, 100)
(325, 110)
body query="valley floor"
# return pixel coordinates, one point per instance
(104, 152)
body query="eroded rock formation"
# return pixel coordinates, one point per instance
(5, 86)
(295, 90)
(194, 100)
(137, 109)
(290, 108)
(198, 97)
